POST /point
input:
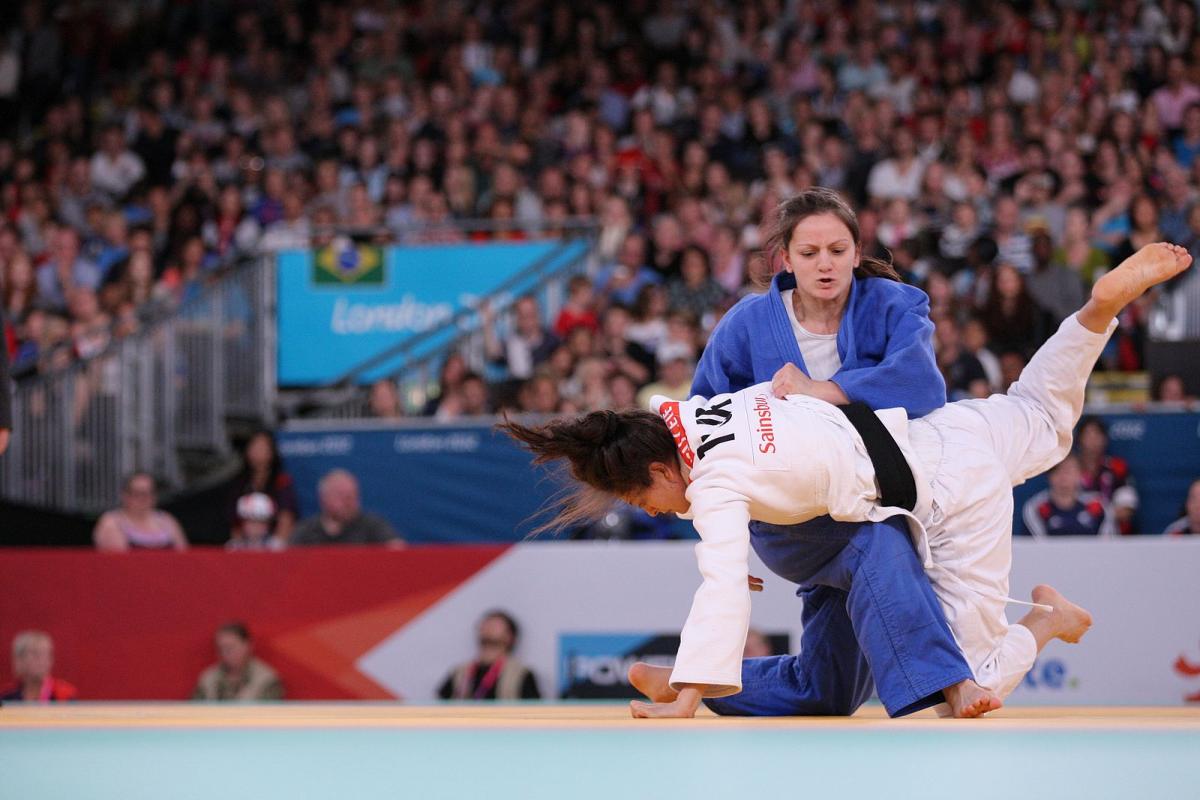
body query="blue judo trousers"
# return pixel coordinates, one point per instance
(870, 616)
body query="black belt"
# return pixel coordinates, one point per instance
(896, 484)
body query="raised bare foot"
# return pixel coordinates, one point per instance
(968, 699)
(1067, 621)
(1151, 265)
(652, 681)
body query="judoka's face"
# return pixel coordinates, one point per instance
(667, 493)
(822, 256)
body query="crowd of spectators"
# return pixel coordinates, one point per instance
(1003, 158)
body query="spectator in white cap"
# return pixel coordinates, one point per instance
(252, 529)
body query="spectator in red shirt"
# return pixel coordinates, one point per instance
(579, 310)
(1105, 474)
(33, 659)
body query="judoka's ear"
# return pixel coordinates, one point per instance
(659, 470)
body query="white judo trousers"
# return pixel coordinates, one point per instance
(973, 453)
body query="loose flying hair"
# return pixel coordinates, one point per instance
(609, 454)
(808, 203)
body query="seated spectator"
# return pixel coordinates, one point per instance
(1189, 523)
(1172, 391)
(252, 527)
(956, 237)
(527, 346)
(1011, 365)
(65, 270)
(494, 674)
(1053, 285)
(975, 340)
(649, 324)
(623, 353)
(580, 308)
(1014, 321)
(621, 282)
(137, 524)
(450, 377)
(1105, 474)
(1015, 246)
(694, 291)
(675, 369)
(263, 473)
(115, 168)
(622, 391)
(32, 662)
(1064, 509)
(471, 399)
(341, 519)
(237, 675)
(1076, 252)
(384, 401)
(965, 376)
(539, 395)
(91, 328)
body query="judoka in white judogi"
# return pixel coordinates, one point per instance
(749, 455)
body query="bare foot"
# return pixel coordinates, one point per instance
(652, 681)
(682, 707)
(1067, 621)
(1151, 265)
(969, 700)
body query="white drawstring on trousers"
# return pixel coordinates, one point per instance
(949, 574)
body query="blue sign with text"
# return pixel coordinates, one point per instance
(340, 305)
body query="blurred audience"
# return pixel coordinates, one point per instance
(32, 663)
(138, 524)
(252, 530)
(1106, 475)
(263, 473)
(494, 674)
(238, 674)
(1065, 509)
(1189, 523)
(341, 519)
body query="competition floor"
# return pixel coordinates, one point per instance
(346, 751)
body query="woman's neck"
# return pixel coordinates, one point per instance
(818, 316)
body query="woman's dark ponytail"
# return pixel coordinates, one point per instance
(609, 453)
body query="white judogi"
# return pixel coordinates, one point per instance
(749, 455)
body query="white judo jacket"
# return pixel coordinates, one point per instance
(751, 456)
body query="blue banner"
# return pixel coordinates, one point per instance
(433, 484)
(1163, 452)
(340, 305)
(466, 483)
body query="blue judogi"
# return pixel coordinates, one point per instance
(884, 343)
(870, 615)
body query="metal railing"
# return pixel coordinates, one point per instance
(149, 400)
(170, 387)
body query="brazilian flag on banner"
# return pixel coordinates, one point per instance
(343, 262)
